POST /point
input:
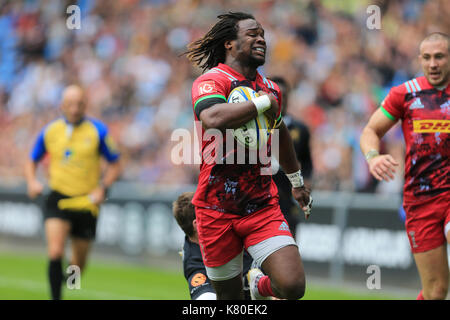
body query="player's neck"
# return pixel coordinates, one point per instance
(194, 239)
(442, 86)
(74, 123)
(247, 71)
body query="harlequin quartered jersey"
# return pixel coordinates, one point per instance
(74, 152)
(230, 188)
(425, 114)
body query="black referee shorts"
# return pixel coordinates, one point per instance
(83, 223)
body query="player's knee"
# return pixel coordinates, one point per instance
(55, 252)
(292, 289)
(438, 292)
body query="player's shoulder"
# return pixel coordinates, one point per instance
(414, 85)
(270, 84)
(54, 126)
(215, 74)
(215, 82)
(99, 125)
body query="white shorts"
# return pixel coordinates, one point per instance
(259, 253)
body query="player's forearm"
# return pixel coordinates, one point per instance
(287, 157)
(112, 173)
(30, 170)
(228, 115)
(307, 165)
(369, 140)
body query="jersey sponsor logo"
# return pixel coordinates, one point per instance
(198, 279)
(417, 104)
(206, 87)
(429, 126)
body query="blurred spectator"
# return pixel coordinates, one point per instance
(127, 53)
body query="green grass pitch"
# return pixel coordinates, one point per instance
(23, 277)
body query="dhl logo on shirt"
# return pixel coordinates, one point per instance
(429, 126)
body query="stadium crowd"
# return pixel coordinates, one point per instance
(128, 54)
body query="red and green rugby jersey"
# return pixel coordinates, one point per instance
(230, 188)
(425, 115)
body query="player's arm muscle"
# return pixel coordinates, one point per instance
(112, 173)
(34, 187)
(288, 159)
(228, 115)
(382, 167)
(290, 164)
(375, 129)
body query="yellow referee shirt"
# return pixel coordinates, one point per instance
(74, 152)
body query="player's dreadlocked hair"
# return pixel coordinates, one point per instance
(209, 51)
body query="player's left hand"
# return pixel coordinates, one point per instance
(303, 196)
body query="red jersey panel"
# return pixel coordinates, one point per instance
(425, 114)
(231, 188)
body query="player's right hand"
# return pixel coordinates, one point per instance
(34, 188)
(383, 167)
(98, 195)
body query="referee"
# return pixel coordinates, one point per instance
(74, 145)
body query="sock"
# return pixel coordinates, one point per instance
(264, 287)
(420, 296)
(55, 276)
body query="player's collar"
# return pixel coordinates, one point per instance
(444, 87)
(428, 85)
(74, 124)
(234, 73)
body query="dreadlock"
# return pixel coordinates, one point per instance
(209, 51)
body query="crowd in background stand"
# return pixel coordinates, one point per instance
(128, 54)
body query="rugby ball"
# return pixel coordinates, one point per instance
(255, 133)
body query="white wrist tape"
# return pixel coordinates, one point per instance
(262, 103)
(296, 179)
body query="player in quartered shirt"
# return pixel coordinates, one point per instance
(236, 205)
(75, 145)
(423, 106)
